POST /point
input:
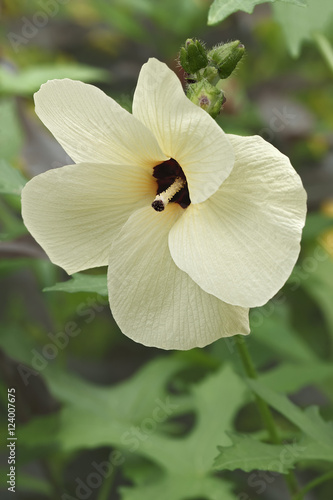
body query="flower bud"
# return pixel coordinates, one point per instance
(226, 57)
(206, 96)
(193, 56)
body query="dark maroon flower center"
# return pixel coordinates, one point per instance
(166, 174)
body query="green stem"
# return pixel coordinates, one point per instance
(325, 48)
(313, 484)
(263, 408)
(251, 372)
(105, 489)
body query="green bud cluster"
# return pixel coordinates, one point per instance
(193, 56)
(205, 69)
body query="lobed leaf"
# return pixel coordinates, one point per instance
(299, 25)
(94, 416)
(249, 454)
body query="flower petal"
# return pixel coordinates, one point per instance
(155, 303)
(242, 243)
(75, 211)
(92, 127)
(184, 131)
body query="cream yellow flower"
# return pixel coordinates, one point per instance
(196, 226)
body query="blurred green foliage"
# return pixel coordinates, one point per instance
(97, 415)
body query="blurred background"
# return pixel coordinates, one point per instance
(281, 90)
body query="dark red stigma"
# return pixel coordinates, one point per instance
(166, 173)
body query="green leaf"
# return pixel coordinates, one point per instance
(129, 401)
(300, 24)
(248, 454)
(93, 416)
(132, 415)
(220, 9)
(28, 81)
(187, 473)
(82, 283)
(309, 421)
(11, 180)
